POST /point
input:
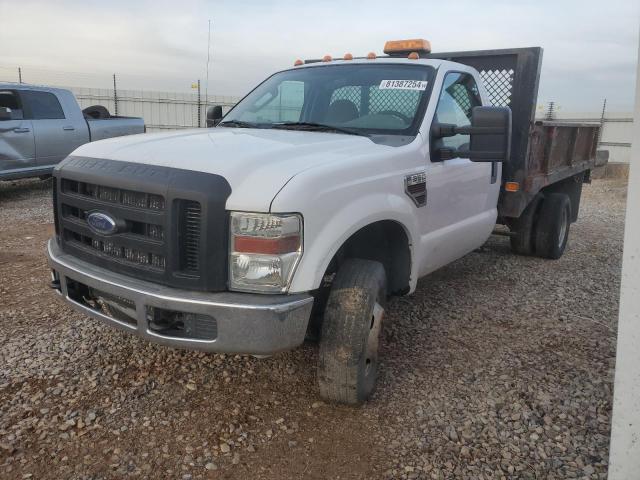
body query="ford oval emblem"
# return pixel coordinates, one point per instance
(102, 223)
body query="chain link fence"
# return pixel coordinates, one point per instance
(161, 110)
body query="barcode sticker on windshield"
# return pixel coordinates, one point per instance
(403, 85)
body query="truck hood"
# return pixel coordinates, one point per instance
(257, 163)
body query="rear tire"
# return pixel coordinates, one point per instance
(97, 112)
(348, 357)
(522, 242)
(552, 226)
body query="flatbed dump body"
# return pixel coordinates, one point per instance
(542, 153)
(559, 150)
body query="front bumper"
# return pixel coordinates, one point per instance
(243, 322)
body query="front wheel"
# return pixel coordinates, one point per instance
(348, 358)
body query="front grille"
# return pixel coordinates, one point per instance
(150, 230)
(140, 241)
(112, 249)
(114, 195)
(55, 208)
(190, 242)
(158, 224)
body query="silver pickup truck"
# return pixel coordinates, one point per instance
(40, 126)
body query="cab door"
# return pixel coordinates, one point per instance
(17, 145)
(55, 133)
(462, 195)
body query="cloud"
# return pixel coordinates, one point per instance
(590, 47)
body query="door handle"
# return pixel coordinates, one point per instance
(21, 130)
(68, 127)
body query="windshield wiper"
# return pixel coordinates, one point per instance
(238, 124)
(316, 127)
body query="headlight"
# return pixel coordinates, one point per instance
(264, 251)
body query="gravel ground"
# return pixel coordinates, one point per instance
(497, 367)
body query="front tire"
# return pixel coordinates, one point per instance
(552, 227)
(348, 357)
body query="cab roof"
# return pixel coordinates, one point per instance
(29, 86)
(436, 63)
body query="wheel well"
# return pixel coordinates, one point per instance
(572, 187)
(386, 242)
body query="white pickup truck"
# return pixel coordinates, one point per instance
(40, 126)
(329, 187)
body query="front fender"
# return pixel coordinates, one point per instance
(325, 234)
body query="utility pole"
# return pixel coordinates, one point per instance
(604, 106)
(115, 95)
(551, 114)
(199, 107)
(206, 85)
(19, 75)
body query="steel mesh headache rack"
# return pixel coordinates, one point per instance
(542, 153)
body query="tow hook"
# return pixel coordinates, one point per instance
(54, 284)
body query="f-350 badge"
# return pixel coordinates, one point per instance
(415, 185)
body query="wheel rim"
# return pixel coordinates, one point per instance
(371, 357)
(563, 227)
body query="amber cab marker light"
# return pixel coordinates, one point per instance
(326, 58)
(511, 186)
(297, 63)
(419, 45)
(371, 56)
(413, 56)
(348, 56)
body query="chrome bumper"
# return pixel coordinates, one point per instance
(245, 323)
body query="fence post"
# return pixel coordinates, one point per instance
(199, 107)
(115, 95)
(19, 75)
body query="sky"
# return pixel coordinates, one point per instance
(590, 48)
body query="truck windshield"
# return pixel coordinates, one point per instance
(356, 98)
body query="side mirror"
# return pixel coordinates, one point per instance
(490, 133)
(214, 115)
(5, 113)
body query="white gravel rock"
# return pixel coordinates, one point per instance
(499, 366)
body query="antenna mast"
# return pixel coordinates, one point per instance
(206, 85)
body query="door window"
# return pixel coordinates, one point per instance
(41, 105)
(9, 99)
(458, 97)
